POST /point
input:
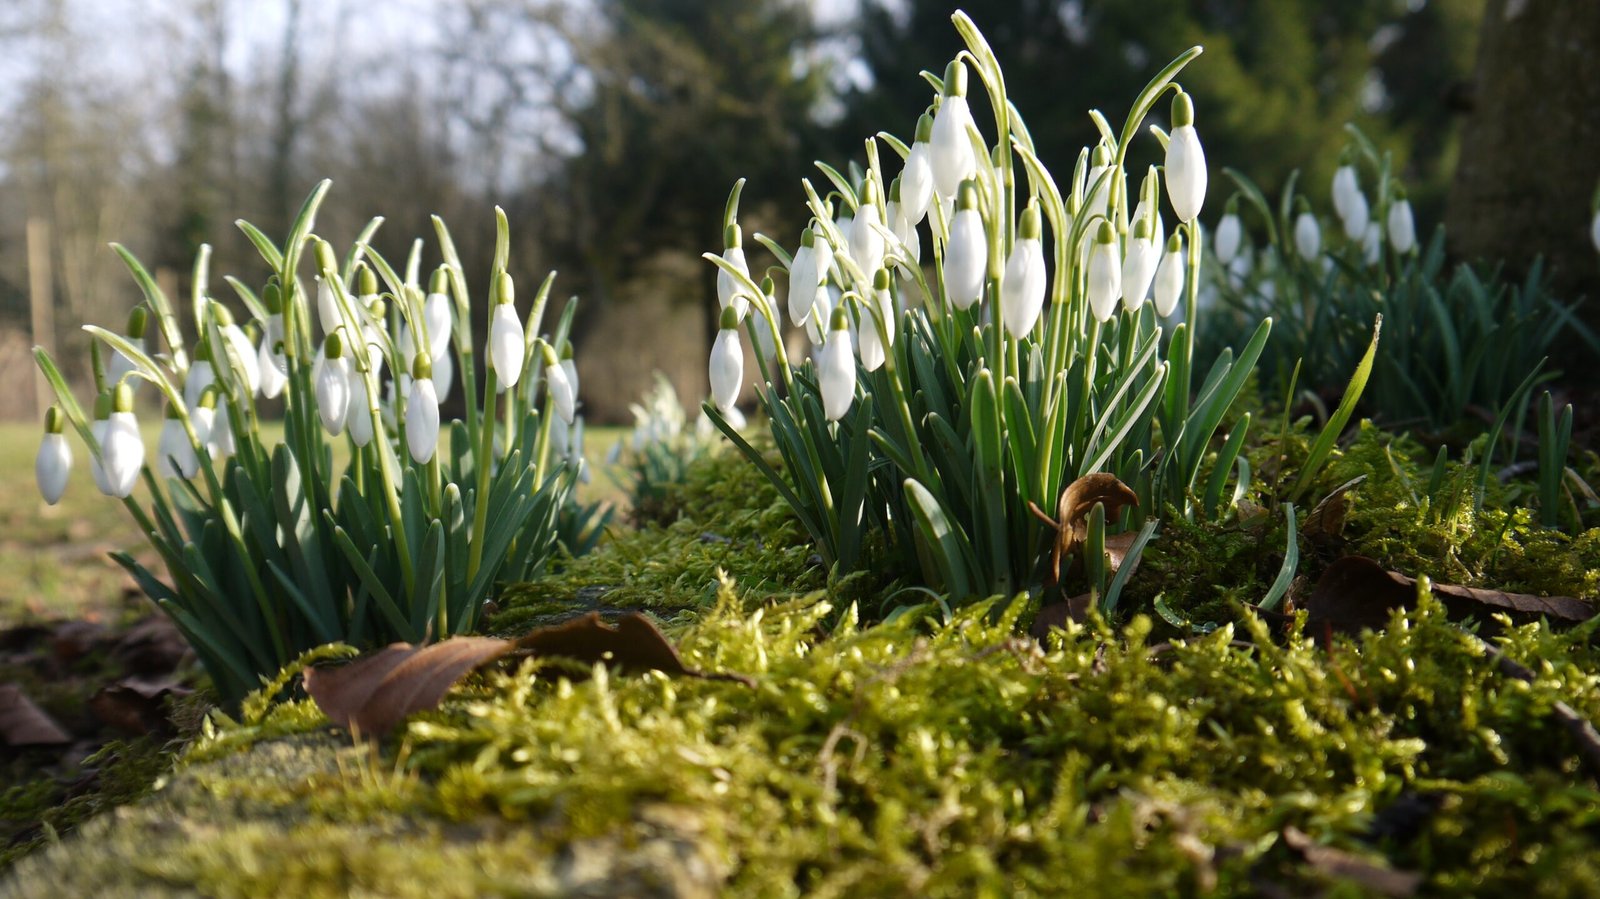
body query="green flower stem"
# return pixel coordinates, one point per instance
(480, 500)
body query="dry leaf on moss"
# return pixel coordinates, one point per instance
(24, 724)
(1072, 513)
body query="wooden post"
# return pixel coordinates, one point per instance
(41, 301)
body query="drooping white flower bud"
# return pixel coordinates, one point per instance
(866, 234)
(908, 240)
(358, 420)
(1403, 227)
(444, 375)
(438, 314)
(219, 441)
(119, 365)
(873, 347)
(1186, 162)
(333, 384)
(836, 375)
(422, 413)
(966, 255)
(97, 435)
(203, 418)
(1158, 230)
(240, 348)
(563, 395)
(1372, 244)
(53, 463)
(1105, 273)
(1344, 186)
(953, 159)
(507, 342)
(804, 278)
(327, 307)
(1097, 184)
(272, 365)
(817, 322)
(1022, 289)
(1229, 236)
(729, 290)
(766, 340)
(727, 362)
(1356, 215)
(175, 455)
(122, 447)
(1170, 277)
(1307, 236)
(916, 180)
(1139, 264)
(200, 374)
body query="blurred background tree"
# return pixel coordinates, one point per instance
(611, 130)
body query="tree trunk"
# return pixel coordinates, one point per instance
(1530, 149)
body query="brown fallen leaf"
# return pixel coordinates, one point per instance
(1327, 516)
(24, 724)
(136, 705)
(1072, 513)
(1357, 593)
(374, 693)
(1117, 546)
(1351, 868)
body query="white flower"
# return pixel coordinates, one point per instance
(803, 279)
(328, 307)
(1170, 277)
(1356, 214)
(563, 395)
(274, 366)
(1105, 274)
(1344, 185)
(507, 346)
(817, 322)
(176, 455)
(1138, 268)
(422, 420)
(1307, 236)
(202, 419)
(1186, 162)
(866, 235)
(570, 366)
(219, 440)
(359, 417)
(200, 377)
(727, 364)
(966, 256)
(333, 387)
(1372, 244)
(1098, 186)
(916, 180)
(1229, 236)
(97, 430)
(436, 315)
(950, 147)
(53, 463)
(836, 375)
(444, 375)
(1158, 231)
(905, 232)
(873, 348)
(1022, 289)
(1403, 228)
(121, 451)
(729, 290)
(119, 365)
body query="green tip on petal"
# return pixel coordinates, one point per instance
(967, 196)
(880, 280)
(1175, 243)
(138, 320)
(732, 237)
(729, 320)
(123, 400)
(326, 260)
(422, 367)
(924, 129)
(102, 406)
(333, 345)
(366, 280)
(1105, 235)
(54, 420)
(1182, 110)
(1031, 224)
(1141, 229)
(839, 320)
(272, 298)
(955, 79)
(439, 281)
(504, 290)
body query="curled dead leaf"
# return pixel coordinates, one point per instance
(1072, 513)
(1326, 520)
(24, 724)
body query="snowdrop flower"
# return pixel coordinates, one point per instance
(1105, 273)
(916, 179)
(953, 159)
(54, 462)
(569, 366)
(97, 435)
(1229, 236)
(729, 290)
(121, 446)
(966, 256)
(906, 236)
(563, 395)
(240, 347)
(200, 374)
(816, 324)
(836, 375)
(727, 362)
(444, 375)
(1372, 244)
(866, 231)
(1356, 214)
(1095, 203)
(766, 340)
(1022, 289)
(507, 343)
(1139, 264)
(1307, 236)
(175, 455)
(1186, 162)
(333, 384)
(219, 440)
(1170, 277)
(1403, 227)
(270, 360)
(1158, 231)
(327, 307)
(119, 365)
(805, 277)
(1344, 186)
(437, 314)
(873, 347)
(422, 413)
(203, 418)
(358, 420)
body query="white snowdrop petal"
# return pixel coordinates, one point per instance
(966, 258)
(507, 347)
(726, 369)
(837, 375)
(422, 420)
(1022, 290)
(52, 466)
(1186, 173)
